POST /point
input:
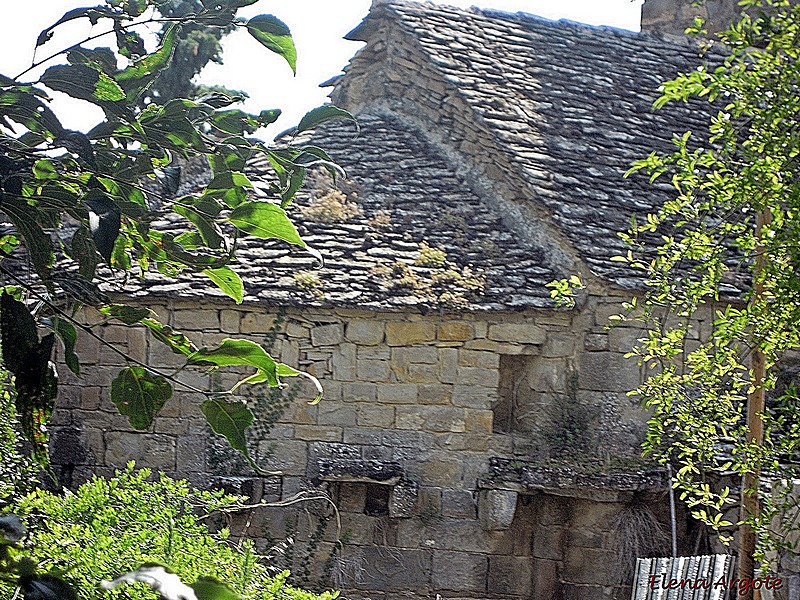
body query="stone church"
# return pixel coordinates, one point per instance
(478, 442)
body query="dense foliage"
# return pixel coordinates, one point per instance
(729, 255)
(108, 527)
(80, 207)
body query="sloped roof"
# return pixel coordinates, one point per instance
(417, 198)
(564, 108)
(569, 104)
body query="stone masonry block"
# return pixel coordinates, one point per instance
(343, 362)
(197, 319)
(137, 343)
(590, 566)
(434, 394)
(409, 417)
(559, 344)
(460, 571)
(253, 322)
(510, 575)
(397, 393)
(297, 331)
(443, 419)
(448, 365)
(327, 335)
(229, 320)
(336, 413)
(192, 453)
(469, 396)
(496, 509)
(372, 370)
(520, 333)
(405, 334)
(375, 416)
(367, 332)
(464, 442)
(148, 450)
(370, 436)
(459, 504)
(548, 542)
(427, 355)
(624, 339)
(287, 456)
(422, 374)
(477, 358)
(477, 376)
(402, 500)
(379, 352)
(479, 421)
(415, 440)
(327, 433)
(595, 342)
(440, 469)
(607, 371)
(455, 331)
(396, 570)
(360, 392)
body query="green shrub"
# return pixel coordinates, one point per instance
(17, 471)
(109, 527)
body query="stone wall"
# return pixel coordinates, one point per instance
(403, 442)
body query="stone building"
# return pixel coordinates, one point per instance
(478, 442)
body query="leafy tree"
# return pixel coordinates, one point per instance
(81, 205)
(729, 245)
(196, 46)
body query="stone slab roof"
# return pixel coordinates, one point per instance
(406, 195)
(569, 105)
(500, 139)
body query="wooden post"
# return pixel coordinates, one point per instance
(755, 429)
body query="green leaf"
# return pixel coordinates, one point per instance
(37, 242)
(139, 395)
(265, 220)
(273, 34)
(231, 420)
(29, 111)
(321, 115)
(206, 588)
(205, 225)
(237, 353)
(94, 14)
(83, 82)
(228, 281)
(284, 370)
(130, 315)
(176, 341)
(44, 169)
(136, 78)
(69, 337)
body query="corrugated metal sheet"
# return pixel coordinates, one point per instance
(682, 578)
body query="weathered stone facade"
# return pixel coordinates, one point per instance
(478, 444)
(404, 442)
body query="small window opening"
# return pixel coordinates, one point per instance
(512, 373)
(377, 500)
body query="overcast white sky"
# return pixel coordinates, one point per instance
(317, 26)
